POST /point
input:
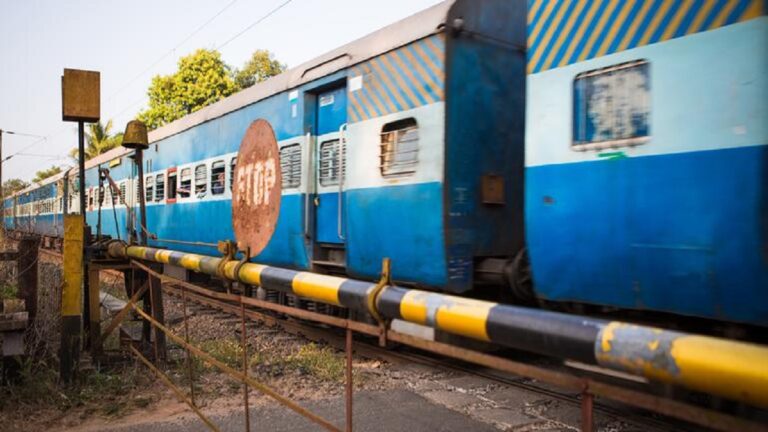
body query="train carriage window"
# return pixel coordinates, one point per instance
(160, 187)
(232, 166)
(172, 186)
(328, 169)
(290, 166)
(399, 148)
(122, 197)
(218, 170)
(185, 186)
(611, 106)
(201, 180)
(149, 189)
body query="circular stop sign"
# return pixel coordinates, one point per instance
(257, 188)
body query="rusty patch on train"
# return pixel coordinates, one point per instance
(257, 188)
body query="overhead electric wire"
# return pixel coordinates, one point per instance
(172, 50)
(255, 23)
(237, 35)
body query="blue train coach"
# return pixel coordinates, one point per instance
(406, 144)
(647, 157)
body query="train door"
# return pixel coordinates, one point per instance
(329, 153)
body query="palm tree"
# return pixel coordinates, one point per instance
(98, 140)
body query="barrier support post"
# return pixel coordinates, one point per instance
(71, 307)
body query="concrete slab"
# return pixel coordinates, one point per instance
(374, 411)
(452, 399)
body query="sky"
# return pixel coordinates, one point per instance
(129, 42)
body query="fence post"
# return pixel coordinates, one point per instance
(94, 306)
(26, 272)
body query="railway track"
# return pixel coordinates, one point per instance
(368, 347)
(637, 407)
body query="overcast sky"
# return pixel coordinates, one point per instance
(131, 41)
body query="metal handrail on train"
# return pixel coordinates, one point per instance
(310, 157)
(735, 370)
(341, 161)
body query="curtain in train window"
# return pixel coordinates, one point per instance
(612, 105)
(218, 171)
(201, 179)
(185, 185)
(232, 166)
(160, 187)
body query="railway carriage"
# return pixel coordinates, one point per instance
(391, 146)
(647, 156)
(629, 160)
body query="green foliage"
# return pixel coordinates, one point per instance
(258, 68)
(8, 291)
(201, 79)
(99, 140)
(227, 351)
(14, 185)
(320, 361)
(44, 174)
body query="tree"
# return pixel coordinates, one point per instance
(202, 78)
(44, 174)
(12, 186)
(99, 140)
(258, 68)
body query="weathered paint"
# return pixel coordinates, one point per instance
(735, 370)
(731, 369)
(73, 266)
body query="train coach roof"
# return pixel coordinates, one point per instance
(416, 26)
(419, 25)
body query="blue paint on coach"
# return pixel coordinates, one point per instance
(685, 233)
(379, 226)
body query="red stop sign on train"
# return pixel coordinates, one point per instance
(257, 188)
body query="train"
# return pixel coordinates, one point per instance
(601, 154)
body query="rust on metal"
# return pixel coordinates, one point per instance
(349, 383)
(80, 95)
(244, 337)
(239, 375)
(587, 404)
(257, 188)
(179, 394)
(658, 404)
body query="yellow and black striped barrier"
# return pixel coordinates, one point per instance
(735, 370)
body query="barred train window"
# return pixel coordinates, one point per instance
(148, 182)
(399, 148)
(218, 171)
(185, 187)
(232, 166)
(611, 106)
(201, 179)
(329, 163)
(290, 166)
(160, 187)
(122, 198)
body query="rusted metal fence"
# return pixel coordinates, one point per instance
(255, 309)
(194, 351)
